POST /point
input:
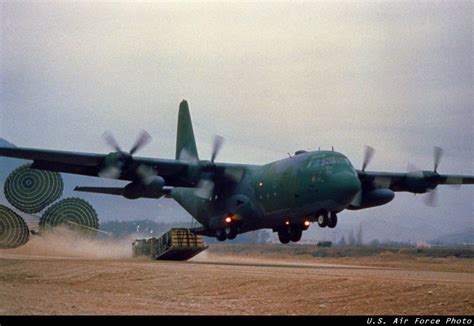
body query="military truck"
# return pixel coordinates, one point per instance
(176, 244)
(324, 244)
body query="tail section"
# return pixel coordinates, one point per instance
(185, 143)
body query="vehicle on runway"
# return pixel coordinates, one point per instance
(228, 199)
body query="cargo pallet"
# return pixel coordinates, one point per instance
(176, 244)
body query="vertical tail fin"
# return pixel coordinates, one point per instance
(185, 142)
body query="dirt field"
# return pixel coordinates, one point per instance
(34, 280)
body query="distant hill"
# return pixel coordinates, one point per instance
(456, 239)
(6, 164)
(5, 143)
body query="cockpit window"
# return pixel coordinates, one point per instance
(329, 161)
(317, 162)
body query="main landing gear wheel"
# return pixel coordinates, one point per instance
(332, 222)
(284, 236)
(220, 235)
(296, 234)
(230, 232)
(323, 219)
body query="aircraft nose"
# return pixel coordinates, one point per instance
(347, 185)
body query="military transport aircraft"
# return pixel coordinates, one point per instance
(227, 199)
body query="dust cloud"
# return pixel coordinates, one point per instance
(65, 243)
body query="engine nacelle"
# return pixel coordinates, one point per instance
(373, 198)
(418, 184)
(137, 189)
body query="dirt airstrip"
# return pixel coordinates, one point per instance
(55, 276)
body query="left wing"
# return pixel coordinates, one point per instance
(176, 173)
(89, 164)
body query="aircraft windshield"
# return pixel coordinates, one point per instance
(317, 162)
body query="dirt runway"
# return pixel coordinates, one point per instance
(215, 284)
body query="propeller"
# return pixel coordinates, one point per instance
(431, 199)
(437, 153)
(146, 174)
(206, 184)
(143, 139)
(368, 154)
(216, 146)
(117, 161)
(111, 141)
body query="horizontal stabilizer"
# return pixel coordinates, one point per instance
(101, 190)
(120, 191)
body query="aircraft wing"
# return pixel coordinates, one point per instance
(411, 181)
(90, 164)
(177, 173)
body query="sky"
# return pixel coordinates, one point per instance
(272, 78)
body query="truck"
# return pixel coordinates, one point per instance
(176, 244)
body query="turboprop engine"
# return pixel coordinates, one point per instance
(151, 189)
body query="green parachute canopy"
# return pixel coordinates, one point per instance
(74, 213)
(32, 190)
(13, 229)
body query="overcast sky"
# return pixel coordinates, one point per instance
(272, 78)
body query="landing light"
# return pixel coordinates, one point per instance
(228, 219)
(307, 223)
(287, 222)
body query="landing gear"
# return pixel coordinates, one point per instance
(327, 219)
(323, 219)
(332, 222)
(292, 233)
(229, 232)
(296, 234)
(284, 236)
(220, 234)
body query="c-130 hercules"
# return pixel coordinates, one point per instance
(227, 199)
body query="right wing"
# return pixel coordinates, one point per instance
(416, 182)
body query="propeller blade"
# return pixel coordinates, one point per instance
(110, 140)
(357, 199)
(186, 156)
(146, 173)
(234, 174)
(204, 189)
(437, 153)
(382, 182)
(414, 171)
(143, 139)
(110, 172)
(368, 154)
(216, 146)
(431, 198)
